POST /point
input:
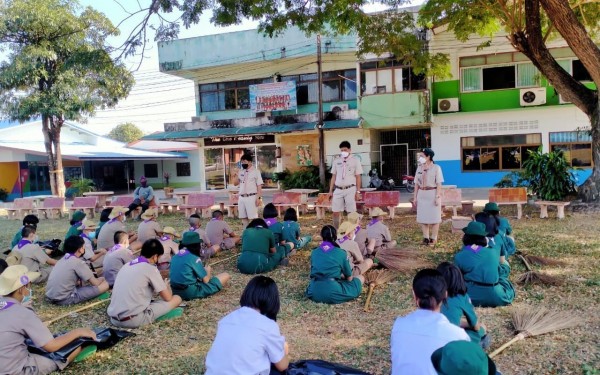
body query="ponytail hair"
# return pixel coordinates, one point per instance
(430, 288)
(329, 234)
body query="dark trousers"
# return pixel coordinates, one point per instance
(138, 203)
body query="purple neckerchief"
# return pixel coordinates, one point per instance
(147, 221)
(326, 246)
(374, 221)
(343, 239)
(23, 243)
(113, 220)
(183, 252)
(358, 228)
(271, 221)
(77, 224)
(4, 304)
(165, 238)
(83, 235)
(192, 229)
(115, 248)
(138, 260)
(69, 255)
(474, 248)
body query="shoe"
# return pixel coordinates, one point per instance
(432, 242)
(426, 241)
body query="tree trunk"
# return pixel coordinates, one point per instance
(51, 129)
(590, 190)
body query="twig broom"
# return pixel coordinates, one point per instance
(540, 261)
(374, 278)
(401, 260)
(534, 277)
(533, 321)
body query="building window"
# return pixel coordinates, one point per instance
(496, 153)
(183, 169)
(576, 147)
(227, 95)
(151, 170)
(499, 77)
(380, 77)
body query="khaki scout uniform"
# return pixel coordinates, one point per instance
(218, 232)
(148, 230)
(89, 252)
(114, 260)
(355, 257)
(62, 288)
(250, 180)
(34, 258)
(131, 303)
(106, 239)
(344, 193)
(381, 233)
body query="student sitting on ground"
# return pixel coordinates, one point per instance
(259, 253)
(32, 256)
(248, 339)
(104, 218)
(219, 233)
(208, 249)
(171, 248)
(331, 279)
(66, 282)
(117, 256)
(458, 305)
(20, 323)
(149, 228)
(131, 304)
(365, 244)
(291, 230)
(189, 278)
(75, 223)
(116, 223)
(346, 239)
(28, 221)
(94, 257)
(270, 216)
(462, 358)
(379, 231)
(485, 271)
(417, 335)
(504, 229)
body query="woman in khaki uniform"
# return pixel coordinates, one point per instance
(428, 190)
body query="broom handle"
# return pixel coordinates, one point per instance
(525, 262)
(47, 323)
(369, 295)
(223, 260)
(518, 337)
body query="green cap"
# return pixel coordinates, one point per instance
(491, 207)
(78, 215)
(190, 238)
(475, 228)
(462, 358)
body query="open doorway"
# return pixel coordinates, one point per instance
(394, 160)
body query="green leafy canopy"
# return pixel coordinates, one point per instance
(127, 133)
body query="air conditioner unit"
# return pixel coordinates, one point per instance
(338, 107)
(448, 105)
(533, 96)
(562, 101)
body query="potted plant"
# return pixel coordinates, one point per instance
(167, 189)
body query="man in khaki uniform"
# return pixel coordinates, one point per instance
(32, 255)
(345, 182)
(117, 256)
(116, 223)
(131, 304)
(250, 192)
(219, 232)
(70, 272)
(379, 231)
(149, 228)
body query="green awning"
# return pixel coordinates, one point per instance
(184, 134)
(342, 124)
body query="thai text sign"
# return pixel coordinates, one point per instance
(277, 96)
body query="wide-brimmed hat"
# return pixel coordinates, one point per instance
(475, 228)
(150, 213)
(88, 225)
(345, 228)
(378, 212)
(191, 238)
(15, 277)
(171, 231)
(78, 215)
(464, 358)
(491, 207)
(354, 217)
(117, 211)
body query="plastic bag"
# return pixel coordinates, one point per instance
(319, 367)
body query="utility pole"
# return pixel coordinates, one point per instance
(322, 165)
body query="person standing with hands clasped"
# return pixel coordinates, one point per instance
(345, 183)
(250, 193)
(428, 196)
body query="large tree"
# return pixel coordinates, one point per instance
(127, 132)
(58, 68)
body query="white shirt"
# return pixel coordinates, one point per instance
(416, 336)
(246, 344)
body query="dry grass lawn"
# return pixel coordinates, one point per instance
(345, 333)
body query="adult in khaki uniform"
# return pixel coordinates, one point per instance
(33, 256)
(345, 182)
(116, 223)
(170, 247)
(63, 287)
(346, 239)
(250, 190)
(427, 196)
(131, 304)
(18, 323)
(149, 228)
(365, 244)
(94, 257)
(377, 230)
(219, 232)
(117, 257)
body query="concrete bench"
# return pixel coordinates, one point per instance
(85, 204)
(20, 208)
(231, 205)
(452, 197)
(287, 199)
(383, 199)
(322, 204)
(506, 196)
(199, 202)
(51, 208)
(560, 208)
(123, 201)
(168, 207)
(460, 222)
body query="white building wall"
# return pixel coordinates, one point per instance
(170, 166)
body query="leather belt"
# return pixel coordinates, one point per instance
(428, 188)
(344, 187)
(123, 319)
(321, 278)
(247, 195)
(481, 284)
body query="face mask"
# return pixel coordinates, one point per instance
(92, 235)
(245, 166)
(422, 160)
(27, 298)
(345, 154)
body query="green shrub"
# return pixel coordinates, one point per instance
(80, 186)
(305, 178)
(513, 179)
(549, 175)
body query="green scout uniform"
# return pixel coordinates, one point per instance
(73, 231)
(458, 306)
(187, 273)
(505, 230)
(327, 265)
(277, 229)
(256, 257)
(291, 233)
(486, 279)
(16, 238)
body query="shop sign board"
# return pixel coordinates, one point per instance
(239, 140)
